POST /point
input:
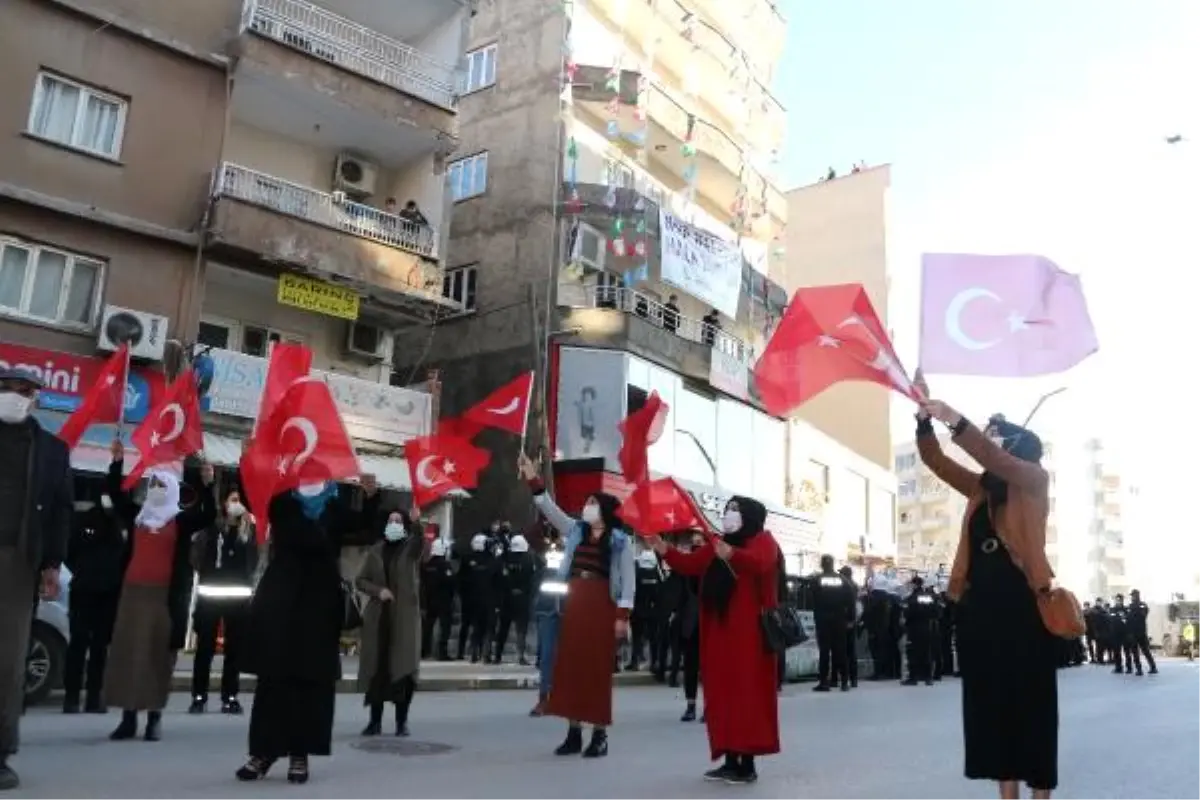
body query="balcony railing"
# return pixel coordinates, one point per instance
(322, 208)
(631, 301)
(356, 48)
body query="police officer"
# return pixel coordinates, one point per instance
(876, 619)
(1101, 622)
(642, 620)
(1118, 635)
(852, 629)
(226, 557)
(1138, 638)
(481, 573)
(437, 586)
(519, 573)
(919, 614)
(833, 608)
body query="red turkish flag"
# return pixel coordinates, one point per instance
(507, 408)
(303, 441)
(172, 431)
(289, 363)
(639, 430)
(104, 401)
(458, 427)
(663, 506)
(440, 464)
(828, 334)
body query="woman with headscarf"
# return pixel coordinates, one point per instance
(157, 589)
(598, 566)
(1010, 705)
(390, 654)
(738, 581)
(295, 627)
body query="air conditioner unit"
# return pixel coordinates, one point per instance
(368, 341)
(145, 332)
(355, 176)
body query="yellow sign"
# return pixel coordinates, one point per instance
(318, 297)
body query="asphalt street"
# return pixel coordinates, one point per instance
(1121, 736)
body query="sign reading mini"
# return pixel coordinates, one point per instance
(318, 297)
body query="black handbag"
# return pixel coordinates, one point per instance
(352, 618)
(782, 629)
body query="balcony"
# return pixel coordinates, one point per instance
(625, 319)
(356, 61)
(269, 219)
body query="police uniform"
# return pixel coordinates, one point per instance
(834, 608)
(919, 614)
(518, 573)
(642, 621)
(1138, 642)
(437, 608)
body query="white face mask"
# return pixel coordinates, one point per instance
(311, 489)
(156, 495)
(591, 514)
(731, 522)
(234, 509)
(14, 408)
(394, 532)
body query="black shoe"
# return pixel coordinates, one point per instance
(673, 681)
(374, 728)
(845, 686)
(402, 729)
(741, 776)
(523, 661)
(232, 706)
(71, 706)
(297, 769)
(1118, 671)
(909, 682)
(689, 715)
(572, 745)
(719, 774)
(153, 726)
(632, 666)
(1154, 670)
(854, 683)
(8, 778)
(127, 729)
(199, 705)
(660, 676)
(1138, 673)
(821, 687)
(598, 746)
(94, 706)
(254, 769)
(928, 682)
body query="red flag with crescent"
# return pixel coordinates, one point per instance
(507, 408)
(172, 431)
(828, 334)
(441, 464)
(104, 401)
(302, 441)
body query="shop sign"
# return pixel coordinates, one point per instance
(374, 412)
(318, 297)
(68, 377)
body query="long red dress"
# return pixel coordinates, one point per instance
(741, 701)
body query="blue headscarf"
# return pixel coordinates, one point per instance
(314, 505)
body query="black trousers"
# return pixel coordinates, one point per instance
(210, 613)
(851, 672)
(92, 615)
(920, 666)
(1091, 648)
(660, 646)
(946, 640)
(439, 612)
(1139, 646)
(405, 689)
(687, 655)
(831, 650)
(642, 630)
(1117, 651)
(483, 626)
(515, 612)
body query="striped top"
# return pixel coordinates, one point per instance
(590, 557)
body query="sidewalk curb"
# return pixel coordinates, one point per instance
(182, 682)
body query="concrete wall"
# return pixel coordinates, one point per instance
(837, 233)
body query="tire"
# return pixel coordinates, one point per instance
(44, 669)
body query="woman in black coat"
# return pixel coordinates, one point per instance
(295, 629)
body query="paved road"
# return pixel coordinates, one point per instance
(1120, 737)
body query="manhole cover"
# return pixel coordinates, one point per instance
(401, 747)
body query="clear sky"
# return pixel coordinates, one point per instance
(1031, 126)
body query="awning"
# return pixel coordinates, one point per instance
(389, 471)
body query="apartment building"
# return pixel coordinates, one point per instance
(212, 176)
(837, 233)
(587, 126)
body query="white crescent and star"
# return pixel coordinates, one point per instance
(423, 467)
(504, 411)
(178, 420)
(309, 431)
(953, 320)
(882, 362)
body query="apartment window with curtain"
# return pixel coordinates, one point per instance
(468, 177)
(481, 69)
(69, 113)
(47, 284)
(459, 285)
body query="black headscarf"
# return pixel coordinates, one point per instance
(719, 581)
(1019, 442)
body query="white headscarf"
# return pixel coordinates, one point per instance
(154, 515)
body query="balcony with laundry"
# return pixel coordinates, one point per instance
(400, 67)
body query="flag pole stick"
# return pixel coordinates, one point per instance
(124, 390)
(528, 400)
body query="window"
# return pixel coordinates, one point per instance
(213, 333)
(618, 175)
(74, 115)
(481, 69)
(50, 285)
(468, 177)
(257, 340)
(908, 488)
(906, 461)
(588, 248)
(459, 286)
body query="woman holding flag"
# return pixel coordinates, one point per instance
(598, 566)
(738, 581)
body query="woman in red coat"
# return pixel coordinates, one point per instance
(738, 581)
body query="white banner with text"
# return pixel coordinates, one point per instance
(701, 264)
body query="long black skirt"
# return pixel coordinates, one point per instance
(1009, 673)
(292, 718)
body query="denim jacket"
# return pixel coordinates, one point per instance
(622, 579)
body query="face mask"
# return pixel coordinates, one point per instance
(14, 408)
(731, 522)
(311, 489)
(106, 502)
(394, 532)
(156, 495)
(234, 509)
(591, 513)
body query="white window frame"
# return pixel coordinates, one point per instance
(454, 286)
(619, 175)
(271, 330)
(31, 266)
(601, 247)
(457, 170)
(40, 96)
(486, 57)
(232, 327)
